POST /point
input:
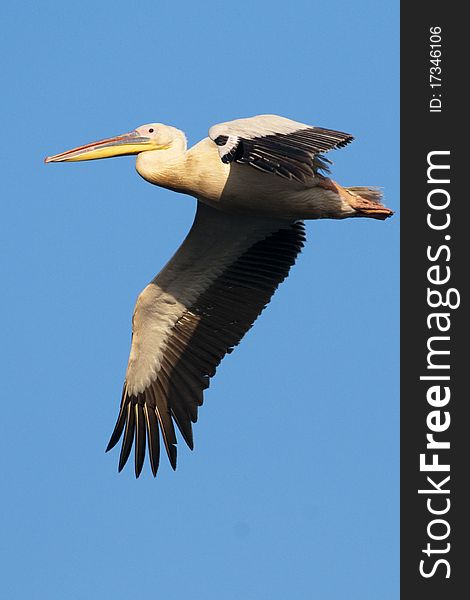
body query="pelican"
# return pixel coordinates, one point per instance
(255, 180)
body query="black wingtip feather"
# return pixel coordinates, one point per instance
(120, 422)
(153, 438)
(172, 456)
(128, 437)
(139, 439)
(184, 426)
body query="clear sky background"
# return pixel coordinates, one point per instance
(292, 489)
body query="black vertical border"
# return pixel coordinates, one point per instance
(422, 132)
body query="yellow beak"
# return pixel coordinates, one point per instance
(121, 145)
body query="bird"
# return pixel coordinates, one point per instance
(256, 180)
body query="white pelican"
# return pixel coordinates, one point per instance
(255, 181)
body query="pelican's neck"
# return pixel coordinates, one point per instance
(165, 168)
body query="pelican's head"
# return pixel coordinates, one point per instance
(154, 136)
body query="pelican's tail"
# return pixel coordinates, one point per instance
(367, 201)
(368, 193)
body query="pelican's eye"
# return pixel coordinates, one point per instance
(151, 130)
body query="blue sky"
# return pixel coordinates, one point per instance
(292, 490)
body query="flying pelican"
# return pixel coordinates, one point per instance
(255, 181)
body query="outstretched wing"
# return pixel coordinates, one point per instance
(277, 145)
(193, 313)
